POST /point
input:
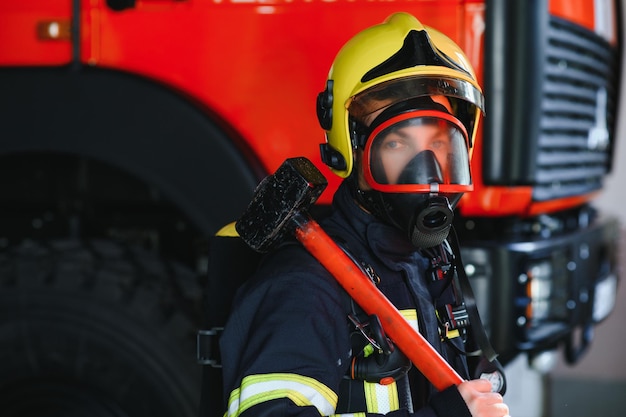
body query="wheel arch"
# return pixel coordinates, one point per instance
(143, 128)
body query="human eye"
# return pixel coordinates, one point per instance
(393, 142)
(440, 141)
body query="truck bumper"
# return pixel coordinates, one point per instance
(537, 293)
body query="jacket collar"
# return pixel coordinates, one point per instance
(386, 242)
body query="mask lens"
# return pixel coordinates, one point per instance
(418, 149)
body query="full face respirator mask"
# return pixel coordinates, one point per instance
(416, 162)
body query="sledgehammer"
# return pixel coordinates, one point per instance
(279, 208)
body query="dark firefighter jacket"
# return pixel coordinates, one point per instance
(287, 345)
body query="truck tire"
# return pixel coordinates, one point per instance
(96, 328)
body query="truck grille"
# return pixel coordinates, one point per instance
(578, 108)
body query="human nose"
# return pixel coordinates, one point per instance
(422, 169)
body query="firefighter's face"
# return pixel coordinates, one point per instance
(416, 151)
(414, 164)
(400, 146)
(419, 146)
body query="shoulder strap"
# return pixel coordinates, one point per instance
(477, 327)
(490, 367)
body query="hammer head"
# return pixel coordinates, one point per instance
(291, 190)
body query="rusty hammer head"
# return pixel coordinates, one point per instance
(277, 200)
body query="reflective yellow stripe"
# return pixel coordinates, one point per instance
(370, 397)
(394, 401)
(381, 398)
(303, 391)
(349, 415)
(411, 317)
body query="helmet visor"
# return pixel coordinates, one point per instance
(466, 100)
(423, 151)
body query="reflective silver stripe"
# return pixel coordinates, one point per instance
(303, 391)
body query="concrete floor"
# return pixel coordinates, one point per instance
(532, 394)
(587, 398)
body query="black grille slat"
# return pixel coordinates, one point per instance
(565, 174)
(575, 76)
(576, 92)
(572, 158)
(577, 38)
(565, 124)
(584, 62)
(579, 68)
(580, 109)
(563, 190)
(559, 141)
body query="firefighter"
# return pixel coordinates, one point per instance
(400, 111)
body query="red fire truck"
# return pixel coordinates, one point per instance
(132, 130)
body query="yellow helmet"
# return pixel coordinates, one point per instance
(400, 59)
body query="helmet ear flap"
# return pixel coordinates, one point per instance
(325, 106)
(330, 156)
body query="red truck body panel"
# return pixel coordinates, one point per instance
(258, 65)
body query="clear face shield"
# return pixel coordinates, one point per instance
(458, 97)
(420, 151)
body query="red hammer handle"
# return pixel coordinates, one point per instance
(362, 289)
